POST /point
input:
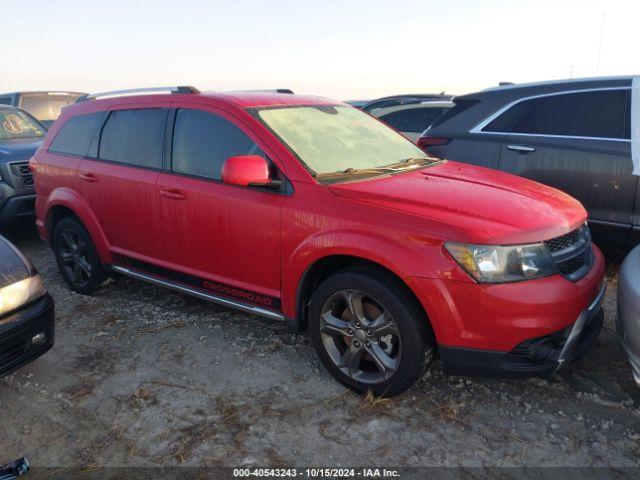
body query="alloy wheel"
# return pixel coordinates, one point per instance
(360, 336)
(74, 257)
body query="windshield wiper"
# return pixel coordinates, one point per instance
(404, 164)
(355, 171)
(410, 161)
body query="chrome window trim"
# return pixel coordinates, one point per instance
(478, 128)
(627, 140)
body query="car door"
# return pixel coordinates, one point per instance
(225, 238)
(119, 181)
(579, 142)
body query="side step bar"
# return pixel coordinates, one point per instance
(263, 312)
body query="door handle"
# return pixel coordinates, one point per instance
(88, 177)
(173, 194)
(521, 148)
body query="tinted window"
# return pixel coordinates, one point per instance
(76, 134)
(414, 120)
(459, 107)
(505, 122)
(587, 114)
(135, 137)
(627, 118)
(5, 100)
(202, 142)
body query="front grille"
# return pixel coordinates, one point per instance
(572, 253)
(574, 264)
(23, 174)
(565, 241)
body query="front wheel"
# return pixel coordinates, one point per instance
(369, 334)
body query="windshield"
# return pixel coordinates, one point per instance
(331, 139)
(46, 106)
(17, 124)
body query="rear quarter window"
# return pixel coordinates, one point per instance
(76, 135)
(459, 107)
(134, 137)
(505, 122)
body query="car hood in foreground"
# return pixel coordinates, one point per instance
(472, 204)
(18, 148)
(13, 266)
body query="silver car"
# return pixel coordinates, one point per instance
(629, 309)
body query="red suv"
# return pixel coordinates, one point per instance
(310, 211)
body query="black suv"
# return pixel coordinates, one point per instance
(26, 311)
(580, 136)
(20, 137)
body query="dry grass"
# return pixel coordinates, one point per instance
(78, 391)
(176, 324)
(192, 436)
(371, 403)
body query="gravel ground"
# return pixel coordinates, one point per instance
(143, 376)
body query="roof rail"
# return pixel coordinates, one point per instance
(138, 91)
(270, 90)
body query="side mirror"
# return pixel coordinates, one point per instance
(248, 171)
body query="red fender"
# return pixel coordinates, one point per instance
(367, 246)
(68, 198)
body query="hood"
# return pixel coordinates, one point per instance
(473, 204)
(13, 266)
(18, 148)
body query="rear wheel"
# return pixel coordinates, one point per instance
(369, 333)
(76, 256)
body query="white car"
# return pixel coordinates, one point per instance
(409, 115)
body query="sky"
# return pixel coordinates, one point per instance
(336, 48)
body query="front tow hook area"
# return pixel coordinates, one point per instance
(573, 345)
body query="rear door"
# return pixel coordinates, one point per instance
(119, 180)
(225, 238)
(578, 142)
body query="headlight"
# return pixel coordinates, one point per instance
(20, 293)
(496, 264)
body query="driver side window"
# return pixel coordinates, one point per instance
(202, 141)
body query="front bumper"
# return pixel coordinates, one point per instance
(16, 207)
(628, 321)
(535, 357)
(19, 328)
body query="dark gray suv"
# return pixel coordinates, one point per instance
(580, 136)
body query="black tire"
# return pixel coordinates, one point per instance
(412, 343)
(81, 268)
